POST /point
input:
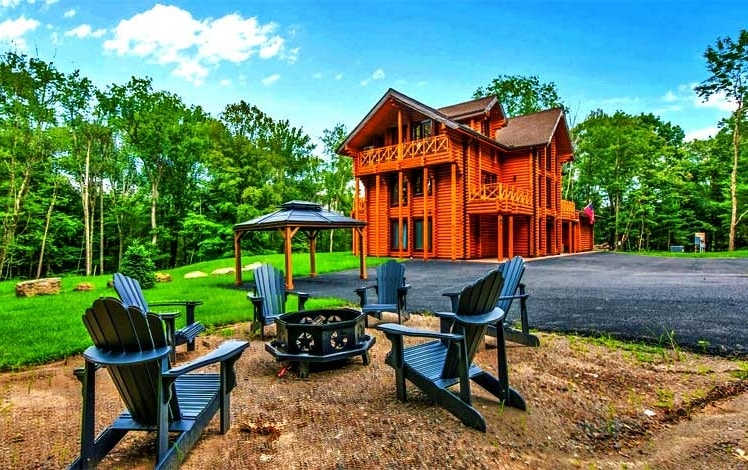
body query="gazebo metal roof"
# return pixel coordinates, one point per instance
(310, 218)
(301, 214)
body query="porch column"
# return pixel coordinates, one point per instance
(425, 189)
(500, 238)
(400, 212)
(453, 255)
(377, 216)
(510, 238)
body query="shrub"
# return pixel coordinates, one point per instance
(137, 264)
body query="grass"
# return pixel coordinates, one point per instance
(46, 328)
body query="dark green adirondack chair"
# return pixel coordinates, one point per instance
(513, 289)
(435, 366)
(391, 291)
(269, 297)
(132, 347)
(129, 291)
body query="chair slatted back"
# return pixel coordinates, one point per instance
(129, 291)
(390, 276)
(117, 329)
(512, 271)
(475, 299)
(271, 285)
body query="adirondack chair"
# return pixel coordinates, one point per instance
(391, 291)
(435, 366)
(132, 347)
(269, 298)
(513, 289)
(129, 291)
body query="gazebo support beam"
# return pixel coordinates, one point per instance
(361, 252)
(312, 235)
(288, 233)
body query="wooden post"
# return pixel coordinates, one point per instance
(238, 258)
(453, 255)
(288, 234)
(425, 189)
(500, 238)
(362, 253)
(510, 238)
(377, 216)
(400, 212)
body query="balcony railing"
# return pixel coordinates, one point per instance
(412, 149)
(501, 192)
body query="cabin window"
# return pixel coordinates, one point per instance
(418, 184)
(400, 242)
(488, 178)
(422, 130)
(394, 200)
(418, 234)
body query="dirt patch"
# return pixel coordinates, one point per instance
(589, 406)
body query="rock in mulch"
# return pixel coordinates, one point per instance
(252, 267)
(84, 287)
(163, 277)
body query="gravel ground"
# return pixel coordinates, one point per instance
(698, 303)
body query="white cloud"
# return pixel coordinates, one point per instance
(70, 13)
(9, 3)
(48, 2)
(225, 82)
(267, 81)
(84, 31)
(317, 76)
(717, 100)
(669, 97)
(12, 31)
(169, 35)
(339, 76)
(701, 134)
(378, 74)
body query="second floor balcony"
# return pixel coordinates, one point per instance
(411, 154)
(499, 197)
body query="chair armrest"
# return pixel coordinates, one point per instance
(223, 352)
(401, 330)
(166, 316)
(454, 298)
(108, 358)
(256, 303)
(303, 297)
(178, 303)
(361, 292)
(494, 316)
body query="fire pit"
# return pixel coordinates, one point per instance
(320, 336)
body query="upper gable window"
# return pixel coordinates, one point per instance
(423, 129)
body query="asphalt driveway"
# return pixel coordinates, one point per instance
(701, 303)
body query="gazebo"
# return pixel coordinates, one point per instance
(310, 218)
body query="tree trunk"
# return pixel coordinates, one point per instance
(46, 231)
(734, 178)
(85, 197)
(154, 198)
(101, 228)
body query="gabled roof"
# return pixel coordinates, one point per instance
(429, 112)
(471, 108)
(530, 129)
(301, 214)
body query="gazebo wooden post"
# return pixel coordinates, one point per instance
(288, 234)
(238, 258)
(362, 252)
(312, 234)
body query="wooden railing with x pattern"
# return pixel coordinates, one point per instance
(412, 149)
(503, 193)
(569, 210)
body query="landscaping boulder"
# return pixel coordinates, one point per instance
(222, 271)
(46, 286)
(195, 274)
(84, 287)
(252, 267)
(163, 277)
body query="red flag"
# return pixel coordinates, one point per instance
(590, 212)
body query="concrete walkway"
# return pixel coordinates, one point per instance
(701, 303)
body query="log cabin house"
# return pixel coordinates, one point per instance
(463, 181)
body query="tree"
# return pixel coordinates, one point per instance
(521, 95)
(727, 61)
(337, 174)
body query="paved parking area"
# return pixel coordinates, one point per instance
(701, 303)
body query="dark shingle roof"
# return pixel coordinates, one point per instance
(469, 108)
(531, 129)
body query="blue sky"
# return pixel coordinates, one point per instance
(317, 63)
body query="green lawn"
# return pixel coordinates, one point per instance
(45, 328)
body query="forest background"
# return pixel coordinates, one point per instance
(86, 172)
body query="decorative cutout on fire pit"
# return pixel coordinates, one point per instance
(338, 340)
(305, 342)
